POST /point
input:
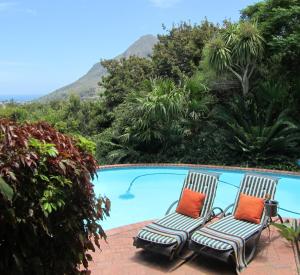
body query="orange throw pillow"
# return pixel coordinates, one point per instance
(249, 208)
(190, 203)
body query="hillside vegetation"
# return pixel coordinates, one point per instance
(213, 94)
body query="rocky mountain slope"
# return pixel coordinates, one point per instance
(87, 85)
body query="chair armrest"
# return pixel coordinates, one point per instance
(170, 207)
(226, 209)
(210, 215)
(213, 214)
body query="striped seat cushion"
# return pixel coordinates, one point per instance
(227, 225)
(156, 237)
(174, 225)
(174, 221)
(232, 234)
(180, 222)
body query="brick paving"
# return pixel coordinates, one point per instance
(120, 257)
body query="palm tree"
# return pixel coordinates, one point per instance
(154, 114)
(238, 50)
(256, 134)
(199, 101)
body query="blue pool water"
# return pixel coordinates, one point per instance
(154, 189)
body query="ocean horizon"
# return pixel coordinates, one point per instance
(19, 98)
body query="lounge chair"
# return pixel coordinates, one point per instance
(169, 235)
(231, 238)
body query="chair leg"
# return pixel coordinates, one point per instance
(252, 254)
(254, 241)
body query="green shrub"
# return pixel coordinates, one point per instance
(257, 134)
(48, 210)
(291, 232)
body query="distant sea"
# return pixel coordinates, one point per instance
(19, 98)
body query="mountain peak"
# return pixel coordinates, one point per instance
(142, 47)
(87, 85)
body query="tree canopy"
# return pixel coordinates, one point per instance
(179, 52)
(279, 23)
(207, 93)
(237, 49)
(124, 75)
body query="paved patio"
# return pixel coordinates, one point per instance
(120, 257)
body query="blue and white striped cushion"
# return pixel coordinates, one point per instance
(227, 225)
(257, 186)
(156, 237)
(180, 222)
(205, 183)
(252, 185)
(200, 182)
(174, 221)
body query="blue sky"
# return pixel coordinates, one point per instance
(46, 44)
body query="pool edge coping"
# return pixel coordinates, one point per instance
(130, 226)
(187, 165)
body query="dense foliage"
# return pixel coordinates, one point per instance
(237, 49)
(258, 134)
(124, 76)
(179, 52)
(279, 23)
(215, 94)
(48, 210)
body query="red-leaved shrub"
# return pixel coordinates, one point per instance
(48, 210)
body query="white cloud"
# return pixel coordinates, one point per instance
(164, 3)
(4, 6)
(7, 6)
(8, 63)
(31, 11)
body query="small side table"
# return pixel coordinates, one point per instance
(271, 208)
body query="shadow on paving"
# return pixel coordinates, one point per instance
(200, 264)
(211, 266)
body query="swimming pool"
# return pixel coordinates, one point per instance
(144, 193)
